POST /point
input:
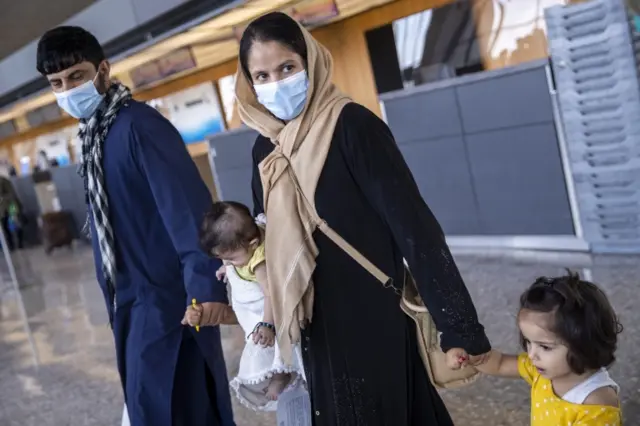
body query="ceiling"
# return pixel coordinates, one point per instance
(19, 25)
(212, 42)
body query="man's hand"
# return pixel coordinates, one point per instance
(206, 314)
(230, 317)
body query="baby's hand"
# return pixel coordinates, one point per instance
(457, 358)
(264, 336)
(221, 273)
(192, 316)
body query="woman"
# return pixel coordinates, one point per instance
(360, 350)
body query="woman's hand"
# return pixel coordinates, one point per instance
(493, 362)
(457, 358)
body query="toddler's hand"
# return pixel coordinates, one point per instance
(264, 336)
(457, 358)
(478, 360)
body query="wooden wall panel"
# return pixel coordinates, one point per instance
(398, 9)
(352, 68)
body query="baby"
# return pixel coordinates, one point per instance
(568, 331)
(230, 233)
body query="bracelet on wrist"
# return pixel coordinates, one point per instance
(265, 325)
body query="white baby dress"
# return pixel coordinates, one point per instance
(257, 364)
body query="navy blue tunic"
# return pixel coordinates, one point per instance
(170, 374)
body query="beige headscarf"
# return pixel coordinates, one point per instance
(289, 178)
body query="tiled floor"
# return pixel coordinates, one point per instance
(76, 383)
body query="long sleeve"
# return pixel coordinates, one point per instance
(182, 200)
(256, 183)
(384, 177)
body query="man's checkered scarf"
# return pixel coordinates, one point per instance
(93, 131)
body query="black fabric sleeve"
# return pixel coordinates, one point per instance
(384, 177)
(256, 184)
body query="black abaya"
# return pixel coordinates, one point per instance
(360, 351)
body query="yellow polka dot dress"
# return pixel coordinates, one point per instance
(549, 410)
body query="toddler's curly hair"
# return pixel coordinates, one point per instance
(582, 318)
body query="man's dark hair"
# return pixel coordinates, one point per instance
(274, 26)
(66, 46)
(583, 319)
(226, 227)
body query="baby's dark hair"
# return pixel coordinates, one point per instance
(583, 319)
(226, 227)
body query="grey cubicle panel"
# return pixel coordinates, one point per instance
(232, 164)
(70, 190)
(484, 152)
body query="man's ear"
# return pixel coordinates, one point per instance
(104, 70)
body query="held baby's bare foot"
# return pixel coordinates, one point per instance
(277, 385)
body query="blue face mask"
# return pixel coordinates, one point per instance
(285, 98)
(81, 101)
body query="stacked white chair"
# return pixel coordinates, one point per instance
(594, 62)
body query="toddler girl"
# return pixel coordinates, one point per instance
(569, 332)
(230, 233)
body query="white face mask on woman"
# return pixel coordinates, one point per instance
(285, 98)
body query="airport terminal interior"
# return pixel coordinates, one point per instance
(517, 118)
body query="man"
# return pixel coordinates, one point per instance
(146, 200)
